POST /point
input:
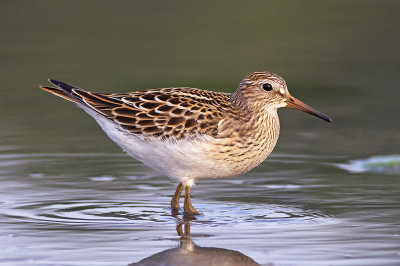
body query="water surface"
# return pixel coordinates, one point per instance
(84, 217)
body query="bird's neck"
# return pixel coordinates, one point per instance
(265, 127)
(266, 123)
(238, 98)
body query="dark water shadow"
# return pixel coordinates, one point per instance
(188, 253)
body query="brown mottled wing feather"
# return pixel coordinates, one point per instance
(165, 113)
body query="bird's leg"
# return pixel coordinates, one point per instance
(179, 230)
(175, 198)
(187, 206)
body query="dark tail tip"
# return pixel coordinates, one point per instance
(62, 85)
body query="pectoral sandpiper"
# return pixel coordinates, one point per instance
(190, 134)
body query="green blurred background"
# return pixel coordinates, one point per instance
(341, 57)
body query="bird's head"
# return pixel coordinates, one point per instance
(268, 91)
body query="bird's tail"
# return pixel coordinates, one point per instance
(99, 102)
(63, 90)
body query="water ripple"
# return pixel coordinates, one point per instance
(106, 214)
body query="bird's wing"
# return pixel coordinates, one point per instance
(166, 113)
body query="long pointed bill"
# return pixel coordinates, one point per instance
(297, 104)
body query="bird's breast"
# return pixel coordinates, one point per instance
(245, 145)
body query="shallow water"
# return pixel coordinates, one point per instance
(328, 195)
(81, 218)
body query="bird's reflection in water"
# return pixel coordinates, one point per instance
(188, 253)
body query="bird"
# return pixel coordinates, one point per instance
(189, 134)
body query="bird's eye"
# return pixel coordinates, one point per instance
(267, 87)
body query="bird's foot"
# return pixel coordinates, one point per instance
(189, 210)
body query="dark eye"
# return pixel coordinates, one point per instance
(267, 87)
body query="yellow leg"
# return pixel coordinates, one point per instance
(175, 198)
(187, 206)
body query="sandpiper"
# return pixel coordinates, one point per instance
(189, 134)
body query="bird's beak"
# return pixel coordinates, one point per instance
(297, 104)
